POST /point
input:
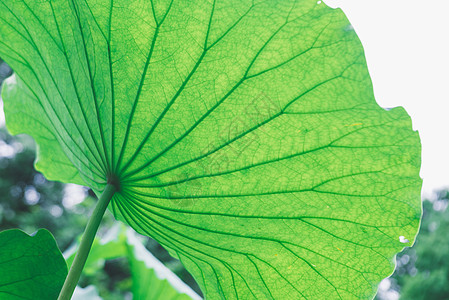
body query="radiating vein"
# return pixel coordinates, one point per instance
(142, 80)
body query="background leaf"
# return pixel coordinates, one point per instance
(110, 247)
(151, 279)
(31, 267)
(243, 135)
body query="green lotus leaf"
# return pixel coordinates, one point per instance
(31, 267)
(242, 135)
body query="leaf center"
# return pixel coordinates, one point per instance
(114, 180)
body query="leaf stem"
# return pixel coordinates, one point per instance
(86, 243)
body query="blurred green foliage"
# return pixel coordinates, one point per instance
(422, 271)
(5, 71)
(27, 200)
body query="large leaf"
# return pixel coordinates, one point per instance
(31, 267)
(242, 135)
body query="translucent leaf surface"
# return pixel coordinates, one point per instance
(242, 135)
(27, 115)
(31, 267)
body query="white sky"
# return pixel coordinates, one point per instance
(407, 49)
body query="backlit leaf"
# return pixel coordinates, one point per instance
(242, 135)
